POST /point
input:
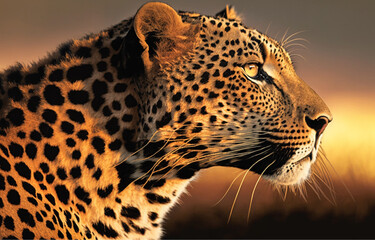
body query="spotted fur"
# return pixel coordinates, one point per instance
(99, 139)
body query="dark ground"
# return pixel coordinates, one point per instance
(274, 225)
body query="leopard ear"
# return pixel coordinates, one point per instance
(229, 13)
(157, 37)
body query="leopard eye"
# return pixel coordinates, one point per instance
(251, 70)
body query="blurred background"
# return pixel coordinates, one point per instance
(338, 62)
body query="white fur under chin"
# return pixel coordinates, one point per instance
(297, 174)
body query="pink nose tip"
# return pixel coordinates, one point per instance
(318, 124)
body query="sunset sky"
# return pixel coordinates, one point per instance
(338, 63)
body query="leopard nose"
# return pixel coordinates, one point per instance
(318, 124)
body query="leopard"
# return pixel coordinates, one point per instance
(100, 138)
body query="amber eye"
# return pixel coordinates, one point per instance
(251, 70)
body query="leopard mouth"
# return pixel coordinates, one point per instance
(308, 158)
(275, 162)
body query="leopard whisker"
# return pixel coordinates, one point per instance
(230, 186)
(266, 32)
(153, 167)
(311, 183)
(212, 156)
(295, 44)
(164, 157)
(232, 156)
(335, 172)
(297, 55)
(255, 186)
(282, 191)
(248, 170)
(140, 149)
(283, 37)
(320, 189)
(322, 167)
(286, 192)
(235, 198)
(172, 168)
(302, 191)
(297, 39)
(290, 38)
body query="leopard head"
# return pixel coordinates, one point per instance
(217, 93)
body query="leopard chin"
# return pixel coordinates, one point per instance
(293, 173)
